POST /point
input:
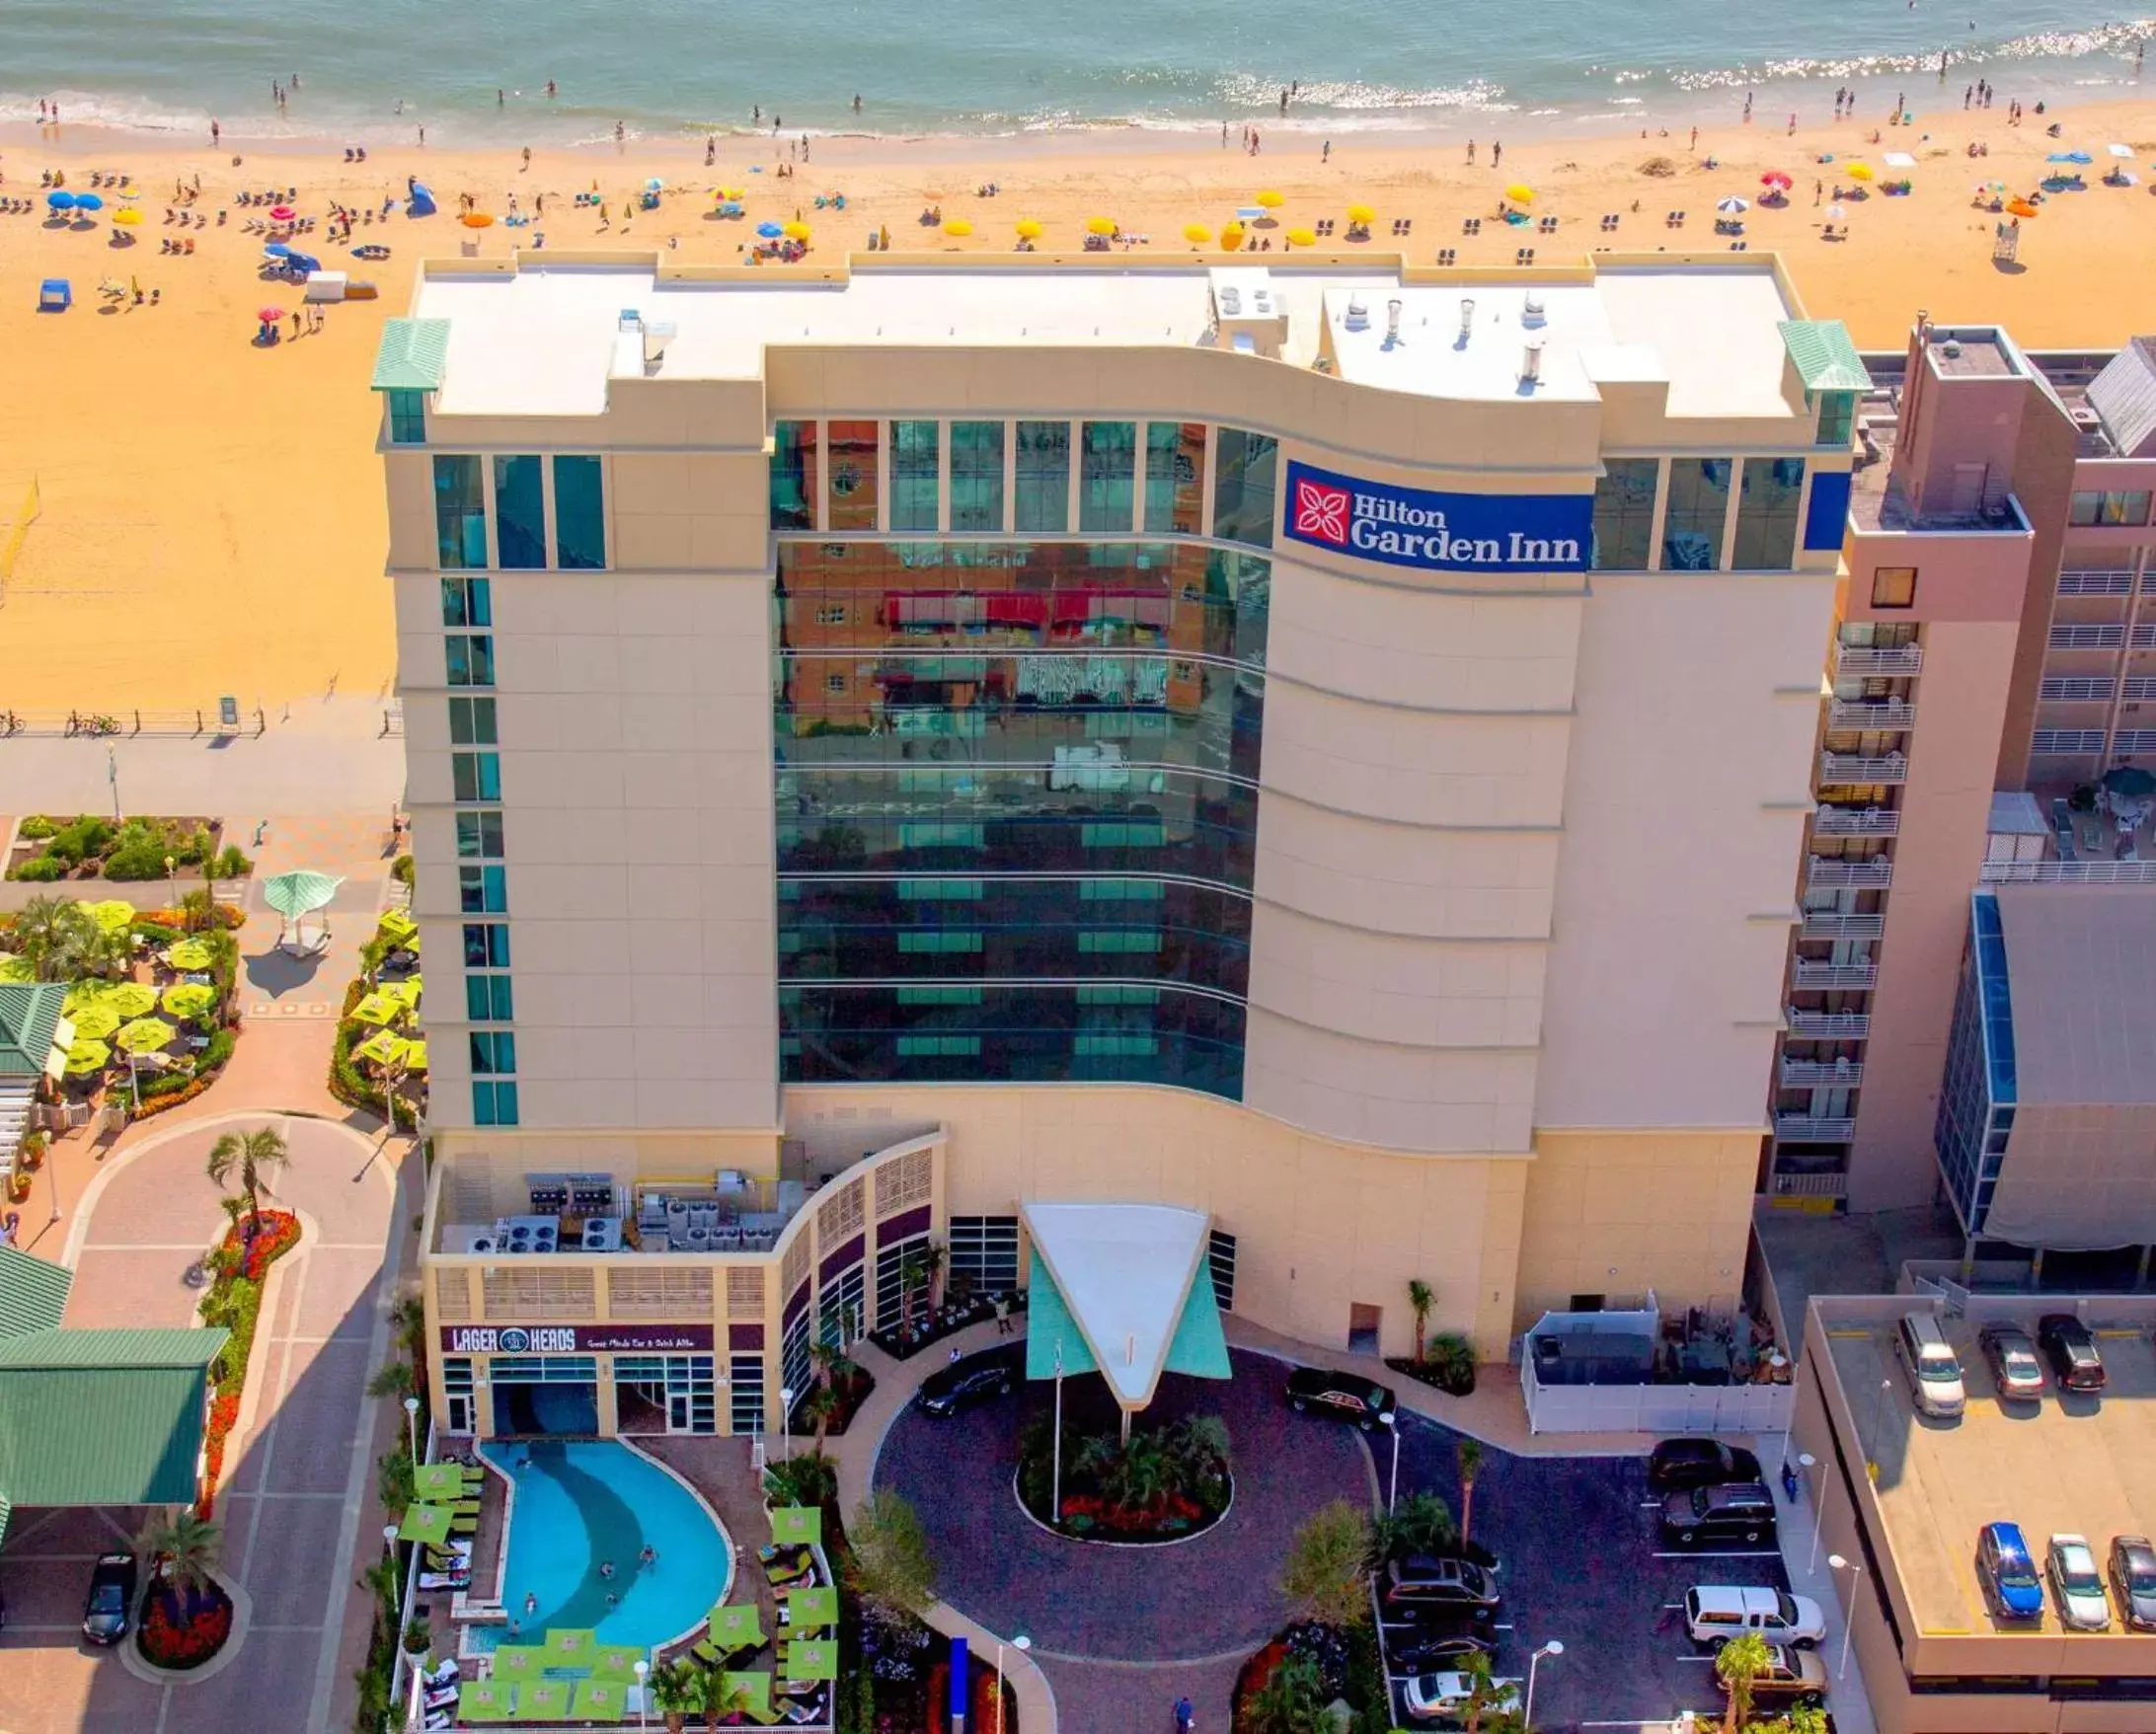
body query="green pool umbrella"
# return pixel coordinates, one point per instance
(85, 1057)
(378, 1008)
(485, 1700)
(86, 993)
(814, 1608)
(597, 1701)
(439, 1480)
(399, 929)
(110, 913)
(190, 999)
(803, 1524)
(543, 1701)
(406, 992)
(15, 967)
(519, 1662)
(189, 954)
(571, 1643)
(745, 1692)
(739, 1628)
(95, 1021)
(416, 1056)
(426, 1523)
(385, 1047)
(616, 1661)
(145, 1035)
(812, 1659)
(131, 999)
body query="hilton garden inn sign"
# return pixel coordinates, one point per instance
(1438, 532)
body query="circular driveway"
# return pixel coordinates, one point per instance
(1217, 1592)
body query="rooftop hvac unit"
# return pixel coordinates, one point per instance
(1359, 316)
(1392, 323)
(1467, 319)
(1231, 301)
(1530, 362)
(1532, 314)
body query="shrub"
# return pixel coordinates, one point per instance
(1452, 1363)
(401, 870)
(35, 828)
(170, 1642)
(232, 864)
(40, 869)
(79, 838)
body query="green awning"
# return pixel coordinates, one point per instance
(412, 355)
(30, 1011)
(295, 894)
(1826, 360)
(103, 1417)
(32, 1292)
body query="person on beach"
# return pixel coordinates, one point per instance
(527, 158)
(423, 138)
(857, 102)
(1471, 153)
(1497, 154)
(499, 98)
(710, 151)
(1326, 155)
(618, 132)
(216, 133)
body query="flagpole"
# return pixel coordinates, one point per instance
(1055, 1510)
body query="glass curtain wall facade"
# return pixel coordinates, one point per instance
(1017, 799)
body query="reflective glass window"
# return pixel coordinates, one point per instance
(580, 514)
(460, 511)
(852, 503)
(793, 476)
(916, 478)
(1175, 477)
(976, 476)
(1766, 515)
(1107, 477)
(1698, 507)
(521, 513)
(1245, 474)
(1043, 476)
(1624, 513)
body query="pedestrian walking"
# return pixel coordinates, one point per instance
(1185, 1716)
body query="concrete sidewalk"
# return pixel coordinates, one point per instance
(1810, 1575)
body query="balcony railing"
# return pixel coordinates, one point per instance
(1850, 768)
(1812, 1185)
(1850, 821)
(2096, 582)
(1820, 925)
(1817, 973)
(1871, 713)
(1813, 1129)
(1852, 660)
(2087, 638)
(1813, 1074)
(1828, 1025)
(2068, 873)
(1875, 874)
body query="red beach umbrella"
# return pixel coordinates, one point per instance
(270, 314)
(1775, 177)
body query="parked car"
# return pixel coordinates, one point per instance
(1699, 1462)
(1343, 1396)
(1444, 1697)
(1428, 1652)
(2071, 1350)
(2007, 1573)
(1718, 1612)
(1422, 1580)
(110, 1605)
(1793, 1674)
(1739, 1512)
(2134, 1580)
(2076, 1585)
(2015, 1369)
(1935, 1372)
(965, 1384)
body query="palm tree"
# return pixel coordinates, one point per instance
(1469, 1454)
(821, 1406)
(393, 1379)
(1292, 1702)
(1421, 1298)
(198, 908)
(913, 1278)
(182, 1547)
(1483, 1693)
(1421, 1523)
(41, 931)
(251, 1157)
(1740, 1662)
(372, 955)
(932, 1266)
(679, 1689)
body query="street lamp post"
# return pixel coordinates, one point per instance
(1804, 1459)
(389, 1539)
(786, 1419)
(1055, 1446)
(1022, 1643)
(1849, 1615)
(52, 1174)
(172, 882)
(411, 1427)
(1392, 1492)
(1527, 1713)
(644, 1673)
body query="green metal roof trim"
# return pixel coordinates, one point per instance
(412, 355)
(124, 1349)
(1198, 1348)
(1826, 360)
(28, 1013)
(104, 1435)
(32, 1292)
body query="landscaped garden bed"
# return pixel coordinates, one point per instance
(1306, 1668)
(909, 1337)
(254, 1239)
(85, 847)
(1448, 1365)
(184, 1630)
(1166, 1484)
(378, 1054)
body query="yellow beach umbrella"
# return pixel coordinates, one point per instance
(1860, 171)
(1361, 213)
(1197, 231)
(1231, 237)
(796, 231)
(1301, 238)
(127, 215)
(1100, 225)
(1520, 194)
(476, 220)
(1270, 199)
(957, 227)
(1027, 229)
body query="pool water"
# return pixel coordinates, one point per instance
(582, 1503)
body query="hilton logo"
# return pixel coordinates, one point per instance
(1451, 532)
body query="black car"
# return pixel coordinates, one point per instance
(1699, 1462)
(109, 1604)
(2071, 1350)
(1423, 1581)
(1343, 1396)
(1440, 1651)
(2134, 1580)
(963, 1383)
(1737, 1512)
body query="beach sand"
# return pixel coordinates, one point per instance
(211, 513)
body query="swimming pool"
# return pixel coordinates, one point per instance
(581, 1504)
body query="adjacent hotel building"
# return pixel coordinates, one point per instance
(1062, 730)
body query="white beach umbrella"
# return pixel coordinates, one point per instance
(1835, 213)
(1734, 205)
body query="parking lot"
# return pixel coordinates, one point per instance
(1581, 1561)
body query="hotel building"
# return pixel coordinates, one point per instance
(1080, 729)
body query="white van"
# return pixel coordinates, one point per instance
(1716, 1613)
(1935, 1374)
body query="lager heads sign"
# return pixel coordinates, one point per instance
(572, 1339)
(1438, 532)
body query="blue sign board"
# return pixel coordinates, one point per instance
(1438, 532)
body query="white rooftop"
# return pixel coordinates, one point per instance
(546, 339)
(1124, 1271)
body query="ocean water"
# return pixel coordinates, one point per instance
(673, 68)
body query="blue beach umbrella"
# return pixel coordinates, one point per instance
(88, 201)
(278, 249)
(59, 201)
(303, 261)
(769, 231)
(654, 184)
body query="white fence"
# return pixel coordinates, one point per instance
(1655, 1409)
